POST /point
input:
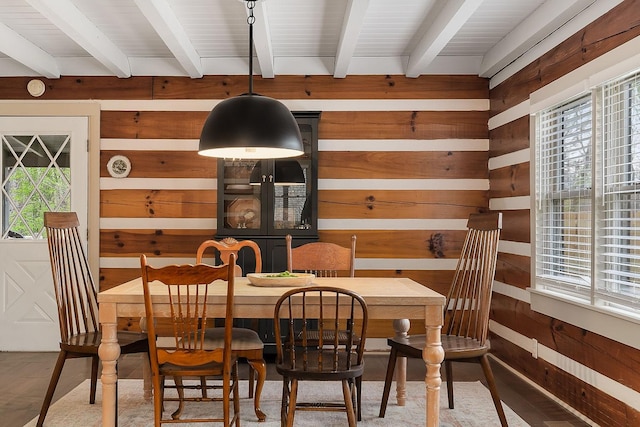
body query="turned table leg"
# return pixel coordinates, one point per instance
(433, 355)
(109, 351)
(401, 327)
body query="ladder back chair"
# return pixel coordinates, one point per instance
(323, 259)
(307, 324)
(187, 287)
(246, 343)
(466, 311)
(76, 298)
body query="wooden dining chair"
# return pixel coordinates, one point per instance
(246, 343)
(323, 259)
(76, 298)
(307, 324)
(466, 311)
(188, 288)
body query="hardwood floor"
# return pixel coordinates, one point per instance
(25, 378)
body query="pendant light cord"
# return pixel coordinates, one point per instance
(250, 20)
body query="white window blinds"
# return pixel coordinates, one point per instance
(588, 197)
(563, 196)
(619, 279)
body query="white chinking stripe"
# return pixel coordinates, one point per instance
(403, 145)
(149, 144)
(509, 115)
(510, 203)
(511, 291)
(391, 224)
(158, 183)
(515, 248)
(323, 144)
(323, 224)
(306, 104)
(323, 184)
(361, 263)
(403, 184)
(158, 223)
(510, 159)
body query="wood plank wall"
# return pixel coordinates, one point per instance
(402, 164)
(585, 351)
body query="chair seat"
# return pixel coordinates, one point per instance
(88, 343)
(241, 339)
(207, 369)
(454, 346)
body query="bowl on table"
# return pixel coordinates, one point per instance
(280, 279)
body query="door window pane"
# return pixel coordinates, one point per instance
(36, 178)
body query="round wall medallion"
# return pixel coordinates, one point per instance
(119, 166)
(36, 87)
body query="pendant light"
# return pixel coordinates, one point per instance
(250, 126)
(287, 172)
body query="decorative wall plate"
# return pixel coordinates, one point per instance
(36, 87)
(119, 166)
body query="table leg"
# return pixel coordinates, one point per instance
(109, 351)
(401, 327)
(433, 355)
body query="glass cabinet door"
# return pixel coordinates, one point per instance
(270, 197)
(241, 201)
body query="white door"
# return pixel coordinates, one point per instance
(43, 168)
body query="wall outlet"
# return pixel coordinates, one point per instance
(534, 348)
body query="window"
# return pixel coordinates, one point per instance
(587, 197)
(619, 279)
(36, 177)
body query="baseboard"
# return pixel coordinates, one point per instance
(549, 395)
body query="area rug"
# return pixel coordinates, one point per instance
(473, 407)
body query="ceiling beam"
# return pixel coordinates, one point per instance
(164, 21)
(262, 39)
(28, 54)
(66, 16)
(351, 27)
(550, 16)
(442, 28)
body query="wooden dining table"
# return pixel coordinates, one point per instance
(387, 298)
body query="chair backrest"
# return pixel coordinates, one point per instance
(321, 258)
(320, 317)
(228, 246)
(76, 295)
(188, 287)
(466, 311)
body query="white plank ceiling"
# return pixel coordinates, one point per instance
(53, 38)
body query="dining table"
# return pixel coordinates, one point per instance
(402, 299)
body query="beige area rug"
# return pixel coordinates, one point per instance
(473, 407)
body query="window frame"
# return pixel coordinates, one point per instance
(605, 320)
(553, 188)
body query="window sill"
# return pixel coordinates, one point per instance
(599, 320)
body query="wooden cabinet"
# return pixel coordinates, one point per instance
(263, 201)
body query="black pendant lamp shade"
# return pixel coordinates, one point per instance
(286, 172)
(251, 126)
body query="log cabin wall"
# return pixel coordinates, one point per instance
(402, 164)
(594, 375)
